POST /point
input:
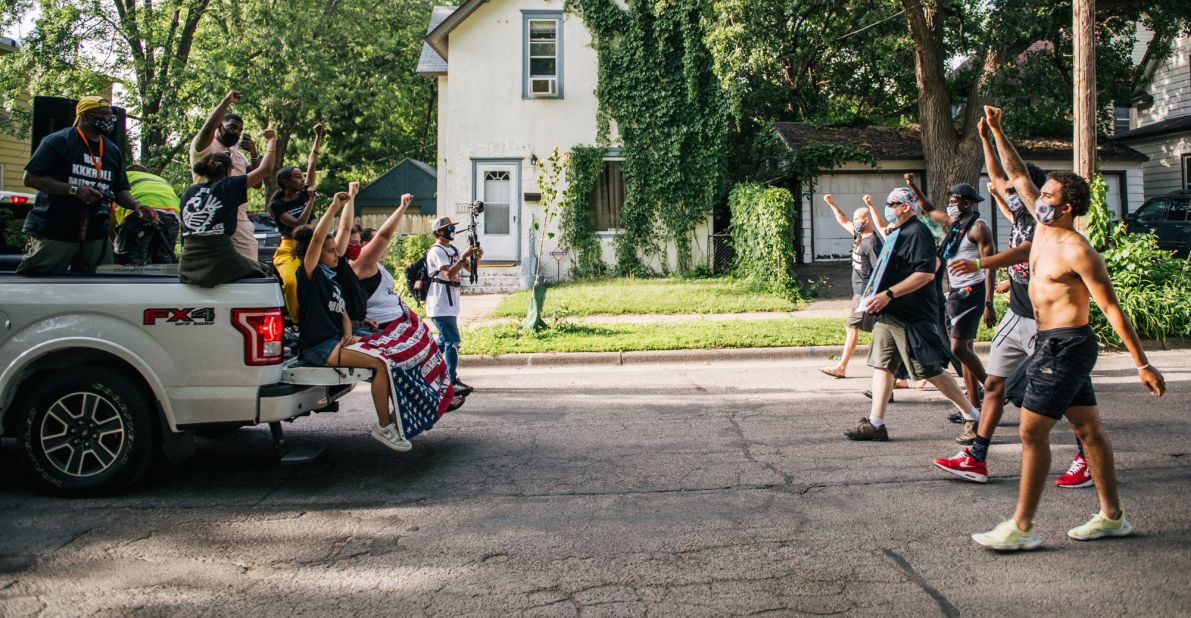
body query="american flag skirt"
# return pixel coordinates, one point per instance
(419, 386)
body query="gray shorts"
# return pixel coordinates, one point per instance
(1012, 344)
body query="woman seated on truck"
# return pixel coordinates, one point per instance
(325, 330)
(384, 305)
(209, 219)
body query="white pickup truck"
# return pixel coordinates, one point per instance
(102, 374)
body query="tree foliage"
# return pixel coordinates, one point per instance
(348, 62)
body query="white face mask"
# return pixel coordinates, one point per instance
(953, 212)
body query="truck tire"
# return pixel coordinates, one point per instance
(89, 431)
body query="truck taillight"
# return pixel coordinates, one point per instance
(262, 330)
(19, 199)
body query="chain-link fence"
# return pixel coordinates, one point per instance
(721, 253)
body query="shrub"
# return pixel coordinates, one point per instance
(762, 230)
(1153, 287)
(404, 251)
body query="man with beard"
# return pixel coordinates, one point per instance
(79, 171)
(224, 132)
(1066, 274)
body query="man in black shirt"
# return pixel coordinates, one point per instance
(80, 172)
(902, 294)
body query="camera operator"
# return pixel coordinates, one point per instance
(443, 263)
(81, 172)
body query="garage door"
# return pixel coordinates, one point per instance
(831, 242)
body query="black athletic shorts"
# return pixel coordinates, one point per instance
(963, 314)
(1059, 374)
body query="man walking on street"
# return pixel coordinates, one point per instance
(1065, 274)
(902, 294)
(443, 263)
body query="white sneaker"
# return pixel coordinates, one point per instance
(389, 437)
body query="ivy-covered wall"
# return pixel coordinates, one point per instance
(656, 80)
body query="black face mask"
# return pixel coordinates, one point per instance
(228, 139)
(448, 232)
(104, 124)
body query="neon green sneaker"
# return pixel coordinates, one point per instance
(1008, 537)
(1100, 526)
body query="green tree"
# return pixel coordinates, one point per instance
(79, 48)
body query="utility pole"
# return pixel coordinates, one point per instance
(1084, 30)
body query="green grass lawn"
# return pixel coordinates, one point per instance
(642, 296)
(564, 336)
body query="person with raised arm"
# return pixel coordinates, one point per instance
(210, 220)
(901, 294)
(325, 329)
(291, 207)
(1066, 274)
(866, 247)
(223, 133)
(384, 304)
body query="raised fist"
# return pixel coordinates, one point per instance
(827, 198)
(407, 199)
(982, 127)
(909, 178)
(233, 96)
(269, 134)
(353, 188)
(868, 200)
(993, 114)
(319, 129)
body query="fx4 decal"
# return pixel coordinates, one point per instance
(180, 317)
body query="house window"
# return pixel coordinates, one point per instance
(1187, 172)
(607, 198)
(542, 62)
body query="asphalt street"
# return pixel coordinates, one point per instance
(707, 488)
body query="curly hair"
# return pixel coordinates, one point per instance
(303, 235)
(213, 166)
(1075, 191)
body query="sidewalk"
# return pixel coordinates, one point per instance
(478, 310)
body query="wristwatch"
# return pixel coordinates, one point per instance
(988, 303)
(889, 293)
(74, 189)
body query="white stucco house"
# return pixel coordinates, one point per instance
(516, 78)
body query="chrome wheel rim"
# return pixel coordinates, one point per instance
(82, 434)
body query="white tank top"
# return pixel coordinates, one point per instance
(385, 305)
(967, 251)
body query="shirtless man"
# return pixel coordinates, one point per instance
(1065, 274)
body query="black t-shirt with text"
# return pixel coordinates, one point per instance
(320, 306)
(279, 205)
(1019, 274)
(64, 156)
(209, 208)
(913, 252)
(864, 259)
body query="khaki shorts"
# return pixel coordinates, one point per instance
(890, 350)
(862, 320)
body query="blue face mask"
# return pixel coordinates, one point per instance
(857, 229)
(890, 215)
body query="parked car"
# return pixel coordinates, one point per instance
(268, 237)
(1169, 218)
(13, 208)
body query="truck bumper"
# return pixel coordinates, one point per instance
(279, 402)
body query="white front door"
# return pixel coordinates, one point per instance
(496, 185)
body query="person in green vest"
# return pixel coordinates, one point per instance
(139, 241)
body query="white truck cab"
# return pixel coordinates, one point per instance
(100, 373)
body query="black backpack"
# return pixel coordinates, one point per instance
(417, 279)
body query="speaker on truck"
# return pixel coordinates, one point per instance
(54, 113)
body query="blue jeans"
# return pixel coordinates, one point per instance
(448, 341)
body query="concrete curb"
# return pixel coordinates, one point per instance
(708, 355)
(667, 356)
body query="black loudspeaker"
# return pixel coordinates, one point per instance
(55, 113)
